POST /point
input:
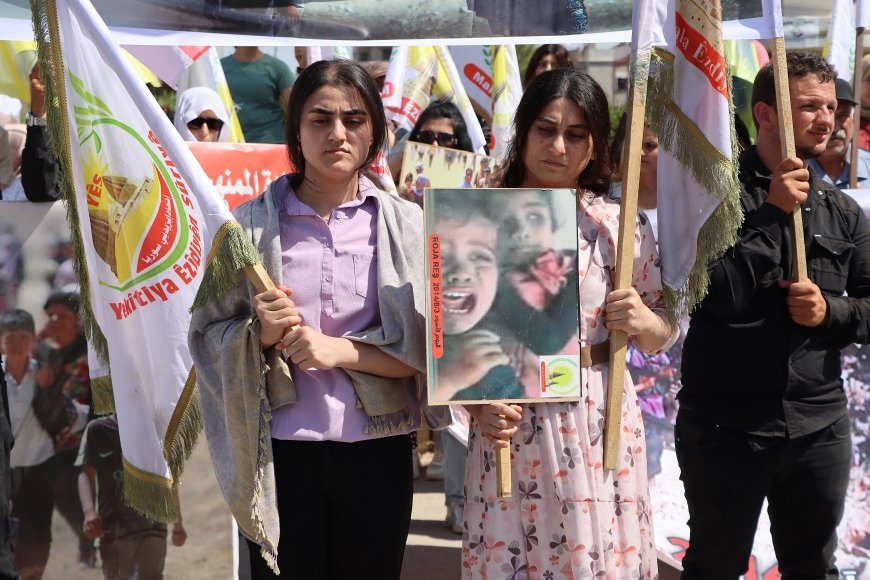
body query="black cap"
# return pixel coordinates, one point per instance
(844, 92)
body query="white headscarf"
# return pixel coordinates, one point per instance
(194, 101)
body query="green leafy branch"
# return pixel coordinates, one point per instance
(87, 115)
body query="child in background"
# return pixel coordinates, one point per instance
(474, 365)
(31, 460)
(131, 545)
(535, 299)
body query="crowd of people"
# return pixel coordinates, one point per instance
(333, 355)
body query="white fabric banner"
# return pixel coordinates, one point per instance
(147, 215)
(840, 45)
(862, 7)
(700, 93)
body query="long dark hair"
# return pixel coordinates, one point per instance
(559, 52)
(334, 73)
(444, 110)
(582, 90)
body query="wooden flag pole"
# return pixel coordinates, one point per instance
(856, 114)
(636, 111)
(786, 138)
(259, 278)
(262, 282)
(503, 471)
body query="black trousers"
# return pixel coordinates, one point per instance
(345, 509)
(728, 474)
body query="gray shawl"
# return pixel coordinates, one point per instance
(240, 385)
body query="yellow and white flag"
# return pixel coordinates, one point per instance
(151, 238)
(506, 94)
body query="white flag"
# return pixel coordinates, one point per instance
(146, 219)
(688, 107)
(839, 48)
(863, 14)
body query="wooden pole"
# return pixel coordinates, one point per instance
(259, 278)
(786, 138)
(262, 282)
(636, 111)
(503, 472)
(856, 114)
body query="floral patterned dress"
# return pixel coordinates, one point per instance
(568, 517)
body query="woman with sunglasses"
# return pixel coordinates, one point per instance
(200, 115)
(441, 124)
(308, 390)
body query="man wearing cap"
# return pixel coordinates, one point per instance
(833, 165)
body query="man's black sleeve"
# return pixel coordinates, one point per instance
(751, 263)
(848, 318)
(38, 167)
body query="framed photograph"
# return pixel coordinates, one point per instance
(502, 301)
(441, 167)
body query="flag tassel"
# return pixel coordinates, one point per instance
(50, 57)
(679, 136)
(184, 428)
(149, 490)
(102, 395)
(231, 252)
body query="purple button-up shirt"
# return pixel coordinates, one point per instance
(332, 269)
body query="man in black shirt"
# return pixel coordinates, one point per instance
(763, 413)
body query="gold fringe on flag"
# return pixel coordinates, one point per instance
(231, 250)
(154, 495)
(51, 69)
(682, 139)
(102, 396)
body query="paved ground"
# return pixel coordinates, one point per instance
(433, 550)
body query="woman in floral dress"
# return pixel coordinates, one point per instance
(568, 517)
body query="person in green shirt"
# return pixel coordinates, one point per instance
(260, 85)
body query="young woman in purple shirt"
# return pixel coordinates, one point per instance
(340, 341)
